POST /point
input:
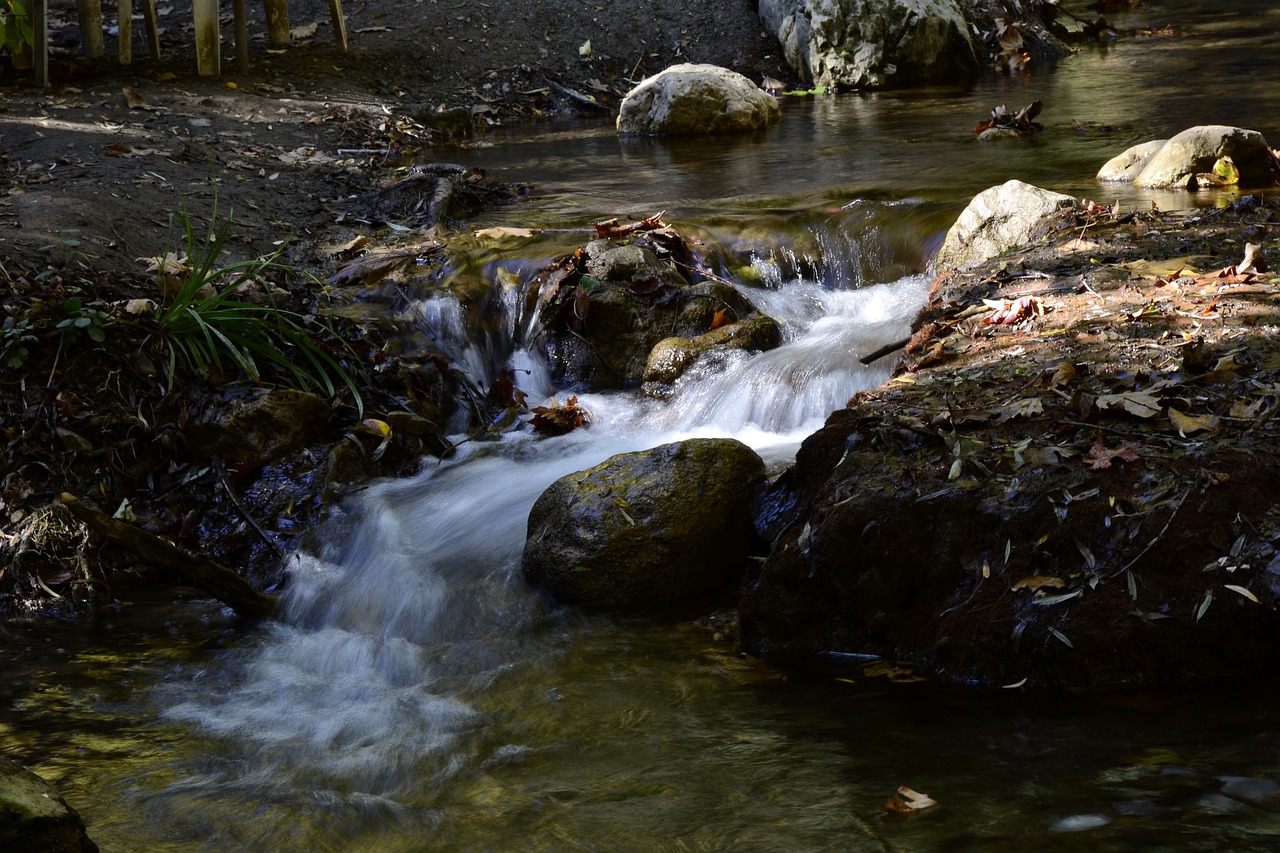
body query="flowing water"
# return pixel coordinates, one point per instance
(416, 696)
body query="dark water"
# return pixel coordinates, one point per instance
(419, 698)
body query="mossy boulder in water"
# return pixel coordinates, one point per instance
(627, 300)
(647, 527)
(34, 818)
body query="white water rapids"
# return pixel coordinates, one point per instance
(414, 603)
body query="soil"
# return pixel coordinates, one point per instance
(92, 169)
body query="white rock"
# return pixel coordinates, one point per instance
(997, 220)
(691, 99)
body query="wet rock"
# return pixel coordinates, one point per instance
(34, 818)
(670, 357)
(635, 300)
(859, 44)
(644, 528)
(262, 428)
(999, 219)
(690, 99)
(1124, 168)
(1187, 160)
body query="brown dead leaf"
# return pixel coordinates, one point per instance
(1025, 408)
(1063, 374)
(557, 419)
(1100, 456)
(134, 100)
(350, 247)
(721, 318)
(1247, 409)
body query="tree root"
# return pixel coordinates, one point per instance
(200, 572)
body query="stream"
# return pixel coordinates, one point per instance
(417, 696)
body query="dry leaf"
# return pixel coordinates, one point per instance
(1138, 403)
(1100, 456)
(1034, 582)
(906, 801)
(1239, 590)
(1026, 408)
(1063, 374)
(1247, 409)
(721, 318)
(499, 233)
(349, 247)
(133, 99)
(1192, 423)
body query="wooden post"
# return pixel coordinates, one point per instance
(277, 21)
(242, 35)
(124, 26)
(40, 42)
(90, 27)
(339, 24)
(153, 27)
(208, 38)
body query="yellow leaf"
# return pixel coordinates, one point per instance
(1192, 423)
(1034, 582)
(373, 426)
(499, 233)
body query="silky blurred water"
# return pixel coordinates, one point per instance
(417, 696)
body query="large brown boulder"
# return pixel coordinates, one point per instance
(645, 528)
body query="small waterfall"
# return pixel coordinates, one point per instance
(413, 608)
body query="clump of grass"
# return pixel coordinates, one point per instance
(203, 323)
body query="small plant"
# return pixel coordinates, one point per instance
(202, 321)
(86, 319)
(14, 337)
(16, 31)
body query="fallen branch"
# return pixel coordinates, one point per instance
(200, 572)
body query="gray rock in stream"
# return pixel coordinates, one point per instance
(644, 528)
(34, 818)
(999, 219)
(1187, 160)
(688, 99)
(859, 44)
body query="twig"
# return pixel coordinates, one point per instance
(244, 513)
(1158, 536)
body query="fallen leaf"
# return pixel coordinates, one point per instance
(1247, 409)
(1035, 582)
(133, 99)
(1192, 423)
(1239, 590)
(1062, 637)
(500, 232)
(1100, 456)
(1007, 313)
(1047, 600)
(349, 247)
(720, 318)
(1203, 607)
(556, 419)
(1025, 408)
(906, 801)
(1139, 403)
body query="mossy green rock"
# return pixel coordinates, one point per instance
(34, 818)
(645, 528)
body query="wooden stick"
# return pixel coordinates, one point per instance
(200, 572)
